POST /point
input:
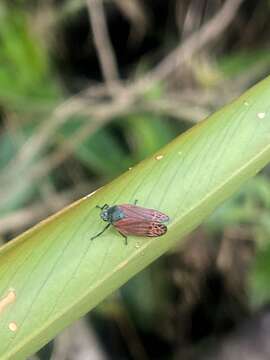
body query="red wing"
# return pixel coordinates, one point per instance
(141, 213)
(129, 226)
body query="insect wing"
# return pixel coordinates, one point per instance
(129, 226)
(141, 213)
(157, 229)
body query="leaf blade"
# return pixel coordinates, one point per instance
(58, 274)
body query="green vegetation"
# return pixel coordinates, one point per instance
(62, 136)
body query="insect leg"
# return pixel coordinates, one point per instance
(106, 227)
(124, 236)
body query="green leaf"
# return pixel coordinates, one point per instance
(58, 274)
(248, 206)
(259, 278)
(242, 61)
(100, 151)
(25, 75)
(148, 134)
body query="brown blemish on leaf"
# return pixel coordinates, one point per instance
(7, 300)
(122, 264)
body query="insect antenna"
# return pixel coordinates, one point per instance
(105, 206)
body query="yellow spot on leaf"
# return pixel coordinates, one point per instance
(261, 115)
(13, 326)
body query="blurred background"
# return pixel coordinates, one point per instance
(88, 88)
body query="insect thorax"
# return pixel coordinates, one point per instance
(112, 214)
(115, 214)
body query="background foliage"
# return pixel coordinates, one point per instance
(66, 128)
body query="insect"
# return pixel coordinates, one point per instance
(133, 220)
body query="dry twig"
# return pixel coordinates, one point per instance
(78, 342)
(103, 45)
(22, 219)
(101, 111)
(195, 42)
